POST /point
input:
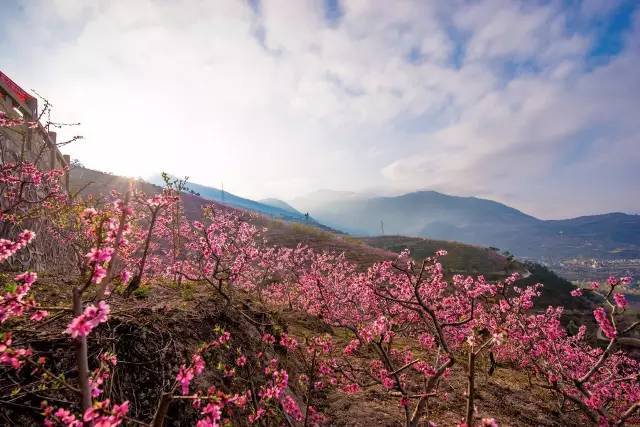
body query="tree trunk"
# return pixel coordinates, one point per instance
(470, 387)
(82, 359)
(161, 411)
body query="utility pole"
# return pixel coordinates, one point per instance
(382, 227)
(222, 191)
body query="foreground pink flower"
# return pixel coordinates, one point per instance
(39, 315)
(102, 415)
(291, 407)
(9, 247)
(82, 325)
(289, 342)
(184, 377)
(605, 324)
(99, 255)
(14, 303)
(99, 273)
(620, 300)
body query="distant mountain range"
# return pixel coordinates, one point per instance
(272, 207)
(434, 215)
(478, 221)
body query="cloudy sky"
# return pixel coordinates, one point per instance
(531, 103)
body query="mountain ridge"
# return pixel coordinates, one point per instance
(227, 198)
(281, 204)
(485, 222)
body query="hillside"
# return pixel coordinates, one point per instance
(487, 223)
(280, 232)
(461, 259)
(279, 210)
(162, 325)
(468, 259)
(280, 204)
(294, 311)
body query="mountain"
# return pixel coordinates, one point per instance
(424, 213)
(286, 213)
(280, 204)
(485, 222)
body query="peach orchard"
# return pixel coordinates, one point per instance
(407, 322)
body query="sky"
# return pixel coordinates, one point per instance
(531, 103)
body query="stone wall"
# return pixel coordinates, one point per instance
(33, 144)
(22, 143)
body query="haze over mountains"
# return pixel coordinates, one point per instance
(277, 203)
(272, 207)
(477, 221)
(434, 215)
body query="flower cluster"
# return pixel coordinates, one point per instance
(28, 192)
(9, 247)
(91, 317)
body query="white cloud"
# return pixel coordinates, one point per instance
(490, 98)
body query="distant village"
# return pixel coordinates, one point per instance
(589, 269)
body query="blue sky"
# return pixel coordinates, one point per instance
(532, 103)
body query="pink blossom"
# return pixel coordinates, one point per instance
(39, 315)
(268, 339)
(427, 341)
(289, 342)
(213, 413)
(576, 292)
(351, 348)
(94, 385)
(89, 319)
(101, 415)
(109, 358)
(291, 408)
(122, 409)
(67, 418)
(198, 364)
(184, 377)
(224, 338)
(99, 273)
(9, 247)
(125, 276)
(620, 300)
(603, 321)
(388, 382)
(99, 255)
(351, 388)
(241, 361)
(27, 278)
